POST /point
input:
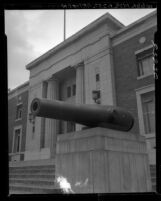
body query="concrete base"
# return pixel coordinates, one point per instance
(37, 155)
(100, 160)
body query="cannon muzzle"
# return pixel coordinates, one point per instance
(88, 115)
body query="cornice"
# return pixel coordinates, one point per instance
(102, 20)
(18, 90)
(134, 24)
(94, 25)
(134, 29)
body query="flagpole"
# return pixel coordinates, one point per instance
(64, 24)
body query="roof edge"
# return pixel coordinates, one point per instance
(135, 23)
(92, 25)
(19, 87)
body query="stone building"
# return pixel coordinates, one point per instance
(107, 57)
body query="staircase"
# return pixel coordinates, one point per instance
(39, 179)
(32, 180)
(153, 176)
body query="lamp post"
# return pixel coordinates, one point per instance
(31, 118)
(32, 121)
(96, 95)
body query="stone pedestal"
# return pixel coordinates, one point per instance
(100, 160)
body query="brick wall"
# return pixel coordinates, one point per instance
(11, 120)
(125, 72)
(24, 119)
(12, 116)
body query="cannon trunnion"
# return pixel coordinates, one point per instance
(88, 115)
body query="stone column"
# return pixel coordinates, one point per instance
(80, 92)
(51, 127)
(42, 137)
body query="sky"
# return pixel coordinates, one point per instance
(31, 33)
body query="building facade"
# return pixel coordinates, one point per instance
(135, 81)
(17, 118)
(104, 57)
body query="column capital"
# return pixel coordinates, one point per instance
(52, 78)
(81, 64)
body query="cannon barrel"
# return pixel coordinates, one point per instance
(86, 114)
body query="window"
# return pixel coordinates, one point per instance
(148, 107)
(19, 112)
(97, 77)
(71, 90)
(17, 135)
(74, 89)
(70, 126)
(68, 91)
(145, 63)
(33, 128)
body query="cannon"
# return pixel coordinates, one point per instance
(85, 114)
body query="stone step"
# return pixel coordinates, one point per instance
(32, 186)
(31, 170)
(33, 189)
(11, 192)
(154, 188)
(36, 182)
(153, 179)
(32, 173)
(152, 166)
(153, 174)
(152, 171)
(33, 176)
(43, 171)
(33, 167)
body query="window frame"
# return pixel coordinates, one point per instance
(97, 77)
(139, 93)
(69, 94)
(18, 105)
(140, 65)
(142, 54)
(13, 141)
(146, 111)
